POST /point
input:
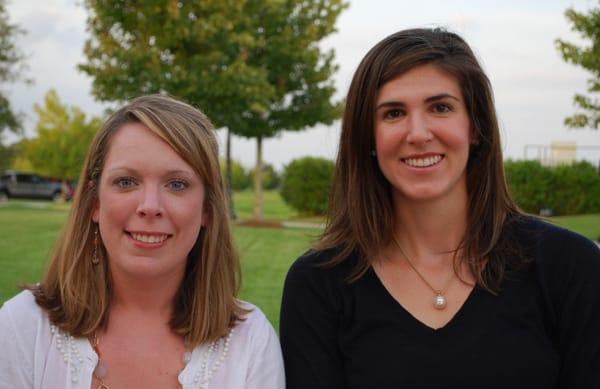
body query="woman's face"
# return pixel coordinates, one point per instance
(150, 205)
(422, 135)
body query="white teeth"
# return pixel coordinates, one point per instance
(423, 162)
(148, 238)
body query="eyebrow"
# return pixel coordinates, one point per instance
(134, 171)
(429, 99)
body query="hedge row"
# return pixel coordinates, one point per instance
(561, 190)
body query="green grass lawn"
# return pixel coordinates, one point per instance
(29, 229)
(586, 225)
(273, 206)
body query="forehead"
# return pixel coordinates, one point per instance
(420, 82)
(134, 145)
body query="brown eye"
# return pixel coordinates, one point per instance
(392, 114)
(441, 108)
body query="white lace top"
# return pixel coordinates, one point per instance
(35, 354)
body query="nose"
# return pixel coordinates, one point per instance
(150, 203)
(419, 131)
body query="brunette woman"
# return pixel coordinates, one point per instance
(141, 291)
(428, 275)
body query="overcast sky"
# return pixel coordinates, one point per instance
(513, 39)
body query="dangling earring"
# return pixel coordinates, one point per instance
(373, 153)
(95, 259)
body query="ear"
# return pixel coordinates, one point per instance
(473, 137)
(95, 213)
(205, 217)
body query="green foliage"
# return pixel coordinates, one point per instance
(240, 178)
(63, 137)
(588, 57)
(270, 178)
(305, 184)
(253, 66)
(7, 155)
(12, 65)
(566, 189)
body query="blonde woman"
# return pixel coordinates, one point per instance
(141, 291)
(428, 275)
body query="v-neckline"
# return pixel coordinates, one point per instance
(460, 315)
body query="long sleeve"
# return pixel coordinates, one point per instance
(16, 356)
(309, 328)
(572, 278)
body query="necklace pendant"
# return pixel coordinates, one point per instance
(100, 370)
(439, 302)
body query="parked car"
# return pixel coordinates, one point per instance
(29, 185)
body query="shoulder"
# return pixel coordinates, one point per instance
(25, 336)
(255, 332)
(551, 244)
(563, 258)
(315, 266)
(22, 314)
(254, 320)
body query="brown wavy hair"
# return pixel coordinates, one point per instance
(77, 294)
(361, 210)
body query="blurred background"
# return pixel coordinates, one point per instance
(272, 75)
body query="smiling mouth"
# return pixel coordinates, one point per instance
(423, 162)
(148, 238)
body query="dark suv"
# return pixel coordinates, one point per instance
(29, 185)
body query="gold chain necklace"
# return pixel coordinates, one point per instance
(440, 300)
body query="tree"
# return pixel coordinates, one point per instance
(269, 176)
(63, 137)
(8, 155)
(12, 66)
(240, 178)
(588, 57)
(254, 66)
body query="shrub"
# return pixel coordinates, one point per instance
(270, 177)
(530, 184)
(566, 189)
(240, 178)
(305, 184)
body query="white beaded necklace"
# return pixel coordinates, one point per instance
(68, 349)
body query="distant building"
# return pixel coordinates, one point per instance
(562, 153)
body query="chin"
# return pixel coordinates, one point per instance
(146, 268)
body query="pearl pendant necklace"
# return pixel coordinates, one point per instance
(439, 301)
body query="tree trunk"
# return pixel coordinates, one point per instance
(228, 175)
(258, 211)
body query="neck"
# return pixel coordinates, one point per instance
(431, 229)
(145, 296)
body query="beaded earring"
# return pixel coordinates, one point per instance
(95, 259)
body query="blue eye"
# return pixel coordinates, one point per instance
(124, 182)
(177, 185)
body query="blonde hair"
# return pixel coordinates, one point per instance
(76, 294)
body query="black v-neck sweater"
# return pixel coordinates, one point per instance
(541, 331)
